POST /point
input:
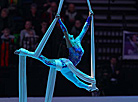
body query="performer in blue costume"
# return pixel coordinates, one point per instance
(74, 45)
(65, 66)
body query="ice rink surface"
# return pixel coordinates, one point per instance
(78, 99)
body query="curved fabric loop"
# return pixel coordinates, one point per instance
(92, 43)
(79, 73)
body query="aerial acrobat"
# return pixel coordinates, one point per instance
(63, 65)
(67, 66)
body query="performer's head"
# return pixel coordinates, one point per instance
(70, 40)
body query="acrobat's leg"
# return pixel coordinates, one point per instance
(78, 73)
(71, 77)
(49, 62)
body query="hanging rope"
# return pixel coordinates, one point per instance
(48, 32)
(92, 42)
(52, 72)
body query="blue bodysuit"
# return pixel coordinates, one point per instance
(76, 52)
(75, 55)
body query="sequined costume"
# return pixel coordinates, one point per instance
(75, 55)
(76, 51)
(50, 62)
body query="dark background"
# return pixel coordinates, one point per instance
(112, 17)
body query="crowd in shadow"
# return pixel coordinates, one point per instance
(23, 24)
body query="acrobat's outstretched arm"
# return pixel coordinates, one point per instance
(65, 31)
(85, 27)
(63, 27)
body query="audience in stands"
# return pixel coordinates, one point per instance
(30, 41)
(42, 3)
(110, 74)
(113, 70)
(43, 29)
(76, 29)
(7, 46)
(25, 32)
(70, 16)
(50, 13)
(5, 20)
(34, 17)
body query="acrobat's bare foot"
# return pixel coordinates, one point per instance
(22, 52)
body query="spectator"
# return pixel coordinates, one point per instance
(28, 28)
(111, 74)
(76, 29)
(42, 3)
(113, 69)
(5, 20)
(34, 17)
(43, 29)
(30, 41)
(70, 16)
(50, 13)
(7, 46)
